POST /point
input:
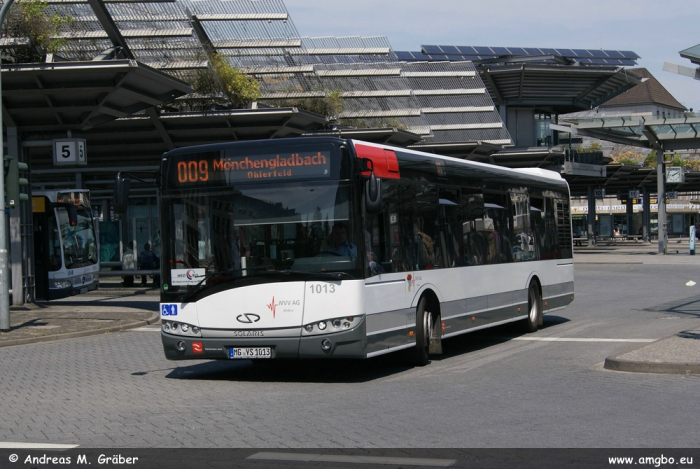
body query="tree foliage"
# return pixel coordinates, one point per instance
(240, 88)
(330, 105)
(691, 162)
(35, 20)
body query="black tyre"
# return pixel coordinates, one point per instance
(424, 329)
(534, 309)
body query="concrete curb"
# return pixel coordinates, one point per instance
(73, 335)
(619, 364)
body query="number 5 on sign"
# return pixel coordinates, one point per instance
(69, 152)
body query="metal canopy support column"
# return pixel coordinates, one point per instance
(4, 277)
(661, 184)
(16, 231)
(630, 216)
(591, 216)
(646, 215)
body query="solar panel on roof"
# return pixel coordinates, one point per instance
(484, 50)
(467, 50)
(516, 51)
(628, 54)
(431, 50)
(404, 55)
(549, 51)
(614, 54)
(566, 53)
(582, 53)
(450, 50)
(500, 50)
(532, 51)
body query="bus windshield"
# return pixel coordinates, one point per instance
(223, 235)
(79, 245)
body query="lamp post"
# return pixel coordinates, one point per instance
(4, 269)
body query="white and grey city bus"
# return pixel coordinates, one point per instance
(329, 247)
(65, 245)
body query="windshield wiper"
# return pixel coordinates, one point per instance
(304, 273)
(260, 271)
(202, 285)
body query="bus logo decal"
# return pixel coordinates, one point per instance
(272, 307)
(248, 318)
(168, 310)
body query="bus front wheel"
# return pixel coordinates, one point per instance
(534, 309)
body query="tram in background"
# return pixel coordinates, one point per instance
(66, 257)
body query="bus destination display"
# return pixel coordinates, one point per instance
(224, 168)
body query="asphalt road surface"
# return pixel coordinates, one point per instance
(490, 389)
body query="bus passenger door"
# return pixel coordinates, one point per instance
(386, 287)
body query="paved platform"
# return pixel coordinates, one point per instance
(111, 308)
(114, 307)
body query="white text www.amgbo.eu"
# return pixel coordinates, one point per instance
(656, 461)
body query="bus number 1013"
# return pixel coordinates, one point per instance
(192, 171)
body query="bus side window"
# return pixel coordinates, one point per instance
(473, 236)
(523, 248)
(393, 259)
(538, 225)
(449, 247)
(497, 228)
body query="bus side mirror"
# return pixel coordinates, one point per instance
(71, 210)
(72, 214)
(121, 193)
(373, 195)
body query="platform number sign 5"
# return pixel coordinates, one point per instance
(70, 151)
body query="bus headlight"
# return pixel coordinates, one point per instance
(62, 284)
(338, 325)
(180, 328)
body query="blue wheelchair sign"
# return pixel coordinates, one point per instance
(168, 310)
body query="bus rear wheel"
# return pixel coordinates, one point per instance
(534, 309)
(424, 330)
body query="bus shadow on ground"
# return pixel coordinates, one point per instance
(346, 370)
(479, 340)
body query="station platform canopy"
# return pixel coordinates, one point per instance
(662, 134)
(81, 95)
(658, 133)
(554, 80)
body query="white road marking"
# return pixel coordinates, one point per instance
(12, 445)
(148, 329)
(353, 459)
(580, 339)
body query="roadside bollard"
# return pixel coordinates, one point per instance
(692, 240)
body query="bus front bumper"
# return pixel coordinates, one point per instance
(58, 293)
(347, 344)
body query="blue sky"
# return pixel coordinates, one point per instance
(655, 30)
